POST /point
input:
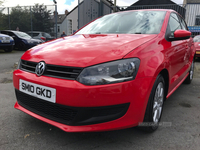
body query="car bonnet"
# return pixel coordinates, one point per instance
(86, 50)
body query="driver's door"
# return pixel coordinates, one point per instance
(176, 53)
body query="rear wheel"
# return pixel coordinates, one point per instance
(155, 106)
(22, 46)
(189, 78)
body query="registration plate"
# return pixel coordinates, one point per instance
(39, 91)
(5, 41)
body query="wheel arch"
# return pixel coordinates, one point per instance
(165, 75)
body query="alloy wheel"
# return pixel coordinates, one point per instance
(158, 102)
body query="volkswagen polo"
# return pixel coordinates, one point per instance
(114, 73)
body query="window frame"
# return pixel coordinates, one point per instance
(167, 32)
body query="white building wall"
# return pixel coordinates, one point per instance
(63, 27)
(73, 16)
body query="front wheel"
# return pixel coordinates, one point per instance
(155, 106)
(189, 78)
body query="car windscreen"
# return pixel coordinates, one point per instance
(132, 22)
(196, 39)
(23, 35)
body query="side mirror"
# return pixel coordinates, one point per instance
(180, 35)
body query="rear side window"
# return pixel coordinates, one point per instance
(47, 35)
(183, 24)
(174, 24)
(34, 34)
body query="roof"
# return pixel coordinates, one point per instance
(35, 32)
(74, 8)
(109, 1)
(13, 31)
(192, 1)
(60, 18)
(164, 4)
(153, 2)
(4, 35)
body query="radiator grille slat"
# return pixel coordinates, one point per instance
(63, 72)
(46, 109)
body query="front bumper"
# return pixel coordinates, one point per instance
(90, 108)
(70, 115)
(11, 44)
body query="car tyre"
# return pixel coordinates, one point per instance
(189, 78)
(155, 106)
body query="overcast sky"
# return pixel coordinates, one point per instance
(64, 4)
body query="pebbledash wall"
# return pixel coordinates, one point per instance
(72, 21)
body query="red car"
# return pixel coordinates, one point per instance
(197, 45)
(114, 73)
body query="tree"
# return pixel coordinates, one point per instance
(22, 16)
(3, 17)
(3, 21)
(41, 18)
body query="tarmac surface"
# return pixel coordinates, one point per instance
(179, 129)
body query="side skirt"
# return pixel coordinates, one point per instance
(176, 87)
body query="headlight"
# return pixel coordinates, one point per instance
(11, 39)
(111, 72)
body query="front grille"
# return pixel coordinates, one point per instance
(5, 38)
(53, 111)
(71, 115)
(28, 66)
(52, 70)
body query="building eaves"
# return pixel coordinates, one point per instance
(193, 1)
